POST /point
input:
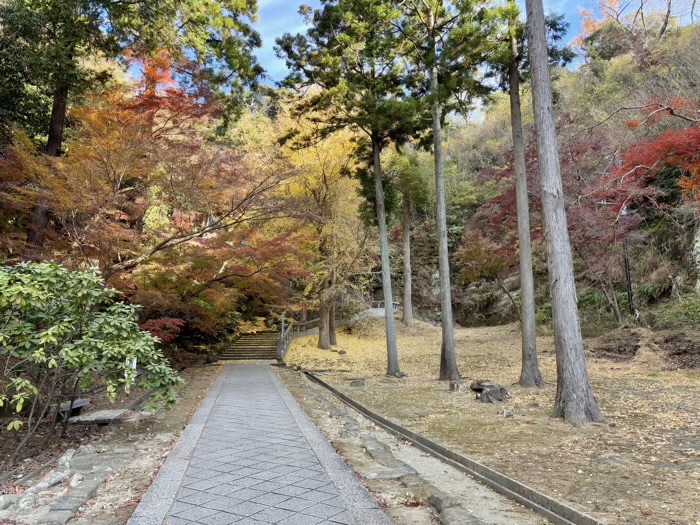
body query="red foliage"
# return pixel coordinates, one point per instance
(632, 181)
(166, 328)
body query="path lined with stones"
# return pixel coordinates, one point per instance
(251, 456)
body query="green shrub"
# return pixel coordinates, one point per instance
(543, 313)
(678, 313)
(62, 332)
(649, 293)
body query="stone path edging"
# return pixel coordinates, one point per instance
(554, 510)
(156, 503)
(236, 462)
(359, 503)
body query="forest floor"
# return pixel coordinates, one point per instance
(152, 436)
(642, 468)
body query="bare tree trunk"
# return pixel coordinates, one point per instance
(37, 231)
(407, 279)
(611, 296)
(58, 120)
(332, 334)
(391, 348)
(512, 300)
(40, 220)
(574, 400)
(448, 361)
(696, 254)
(530, 375)
(324, 340)
(669, 4)
(33, 422)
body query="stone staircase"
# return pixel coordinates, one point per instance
(260, 345)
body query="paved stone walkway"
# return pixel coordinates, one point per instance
(251, 456)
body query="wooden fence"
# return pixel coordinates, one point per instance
(294, 329)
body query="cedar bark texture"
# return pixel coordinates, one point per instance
(332, 333)
(448, 361)
(530, 375)
(391, 348)
(324, 339)
(407, 279)
(574, 400)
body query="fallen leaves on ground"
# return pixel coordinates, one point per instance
(642, 469)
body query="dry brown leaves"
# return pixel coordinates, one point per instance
(643, 469)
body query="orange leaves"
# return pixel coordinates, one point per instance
(163, 101)
(157, 72)
(590, 22)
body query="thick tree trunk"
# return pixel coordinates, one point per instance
(324, 340)
(40, 220)
(407, 279)
(530, 375)
(37, 231)
(391, 349)
(696, 254)
(332, 334)
(58, 120)
(574, 400)
(448, 361)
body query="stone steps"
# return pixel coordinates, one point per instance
(252, 346)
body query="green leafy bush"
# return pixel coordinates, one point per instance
(678, 313)
(63, 332)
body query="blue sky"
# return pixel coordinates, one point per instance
(282, 16)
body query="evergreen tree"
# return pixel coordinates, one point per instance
(445, 43)
(349, 59)
(574, 401)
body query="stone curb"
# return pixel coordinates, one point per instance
(154, 506)
(554, 510)
(450, 512)
(360, 504)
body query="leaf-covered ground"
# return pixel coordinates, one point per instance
(643, 468)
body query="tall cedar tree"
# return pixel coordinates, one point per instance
(446, 48)
(509, 63)
(530, 374)
(349, 56)
(574, 401)
(62, 34)
(409, 171)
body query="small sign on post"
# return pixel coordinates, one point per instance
(130, 363)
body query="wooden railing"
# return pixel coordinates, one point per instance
(304, 326)
(293, 328)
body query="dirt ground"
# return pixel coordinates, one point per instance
(151, 435)
(403, 479)
(116, 499)
(643, 468)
